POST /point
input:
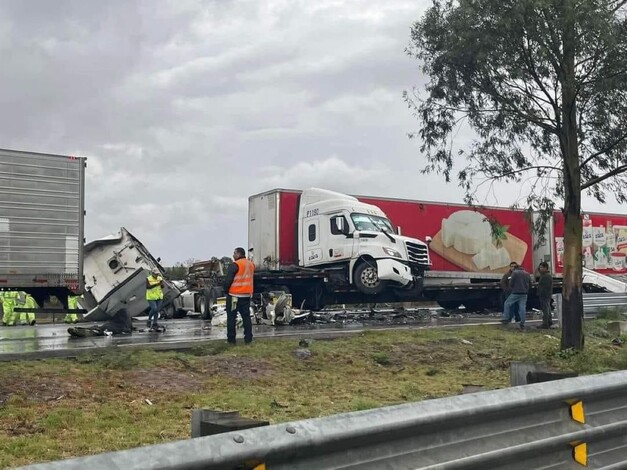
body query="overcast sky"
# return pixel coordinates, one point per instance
(184, 108)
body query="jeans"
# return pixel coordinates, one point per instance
(153, 315)
(516, 303)
(243, 308)
(504, 296)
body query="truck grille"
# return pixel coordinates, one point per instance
(417, 253)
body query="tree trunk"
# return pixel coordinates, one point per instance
(572, 303)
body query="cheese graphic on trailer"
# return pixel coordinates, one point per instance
(470, 233)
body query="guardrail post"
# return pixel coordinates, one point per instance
(209, 422)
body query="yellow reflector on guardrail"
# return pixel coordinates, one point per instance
(576, 412)
(261, 466)
(580, 454)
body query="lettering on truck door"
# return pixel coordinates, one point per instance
(311, 241)
(340, 247)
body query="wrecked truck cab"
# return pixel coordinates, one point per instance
(116, 268)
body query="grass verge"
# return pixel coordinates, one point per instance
(55, 409)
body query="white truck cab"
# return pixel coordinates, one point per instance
(334, 228)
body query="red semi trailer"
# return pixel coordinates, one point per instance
(328, 248)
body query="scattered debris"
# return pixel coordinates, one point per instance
(617, 342)
(465, 341)
(148, 401)
(305, 343)
(303, 353)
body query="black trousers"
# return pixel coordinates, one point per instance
(243, 308)
(545, 305)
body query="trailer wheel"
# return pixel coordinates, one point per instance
(367, 278)
(208, 300)
(179, 313)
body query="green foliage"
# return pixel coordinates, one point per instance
(543, 85)
(210, 349)
(176, 272)
(360, 404)
(501, 66)
(382, 358)
(612, 313)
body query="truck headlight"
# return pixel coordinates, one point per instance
(392, 252)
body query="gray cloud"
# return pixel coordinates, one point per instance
(184, 108)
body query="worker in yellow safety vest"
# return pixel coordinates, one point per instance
(25, 300)
(9, 301)
(28, 318)
(154, 296)
(72, 304)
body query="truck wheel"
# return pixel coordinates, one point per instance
(367, 279)
(208, 300)
(180, 313)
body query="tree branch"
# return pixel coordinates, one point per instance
(603, 150)
(609, 174)
(521, 170)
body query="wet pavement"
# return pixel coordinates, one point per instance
(53, 339)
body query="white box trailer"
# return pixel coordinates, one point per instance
(42, 207)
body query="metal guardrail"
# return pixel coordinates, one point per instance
(563, 424)
(592, 303)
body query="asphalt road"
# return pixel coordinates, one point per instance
(53, 340)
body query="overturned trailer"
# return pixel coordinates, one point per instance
(115, 269)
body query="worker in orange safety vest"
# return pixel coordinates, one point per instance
(239, 287)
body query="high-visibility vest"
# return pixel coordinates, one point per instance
(243, 281)
(154, 292)
(72, 302)
(30, 302)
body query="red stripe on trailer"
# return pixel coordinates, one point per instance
(288, 227)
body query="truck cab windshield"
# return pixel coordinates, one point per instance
(372, 223)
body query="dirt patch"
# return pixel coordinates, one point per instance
(164, 379)
(40, 389)
(171, 380)
(434, 353)
(236, 367)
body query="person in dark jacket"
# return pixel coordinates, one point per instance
(545, 292)
(238, 284)
(506, 289)
(520, 283)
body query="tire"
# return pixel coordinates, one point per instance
(412, 294)
(367, 279)
(208, 300)
(180, 313)
(205, 306)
